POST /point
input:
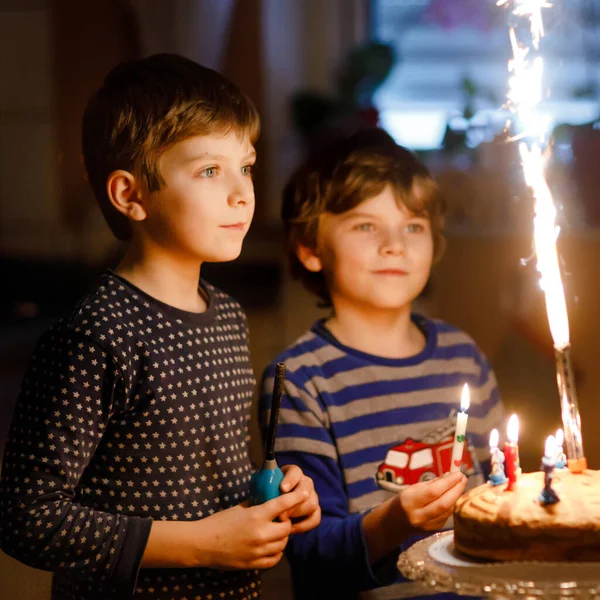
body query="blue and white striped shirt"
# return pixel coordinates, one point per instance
(363, 427)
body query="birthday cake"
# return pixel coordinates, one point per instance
(516, 525)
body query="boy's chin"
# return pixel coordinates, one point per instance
(226, 255)
(390, 304)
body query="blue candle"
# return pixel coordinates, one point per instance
(548, 495)
(497, 476)
(561, 459)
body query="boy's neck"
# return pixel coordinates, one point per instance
(385, 333)
(164, 277)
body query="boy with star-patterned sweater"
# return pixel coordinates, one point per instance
(126, 468)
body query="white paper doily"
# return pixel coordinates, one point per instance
(442, 550)
(434, 562)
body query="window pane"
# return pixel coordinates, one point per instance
(452, 63)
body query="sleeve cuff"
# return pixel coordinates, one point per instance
(132, 551)
(382, 573)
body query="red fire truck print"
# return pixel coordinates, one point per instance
(413, 461)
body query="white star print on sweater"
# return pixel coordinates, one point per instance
(131, 410)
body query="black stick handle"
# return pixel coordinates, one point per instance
(275, 405)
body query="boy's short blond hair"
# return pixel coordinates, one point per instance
(144, 107)
(339, 178)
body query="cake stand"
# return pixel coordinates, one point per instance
(436, 565)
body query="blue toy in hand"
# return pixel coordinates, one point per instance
(264, 483)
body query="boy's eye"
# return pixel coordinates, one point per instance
(364, 227)
(209, 172)
(247, 169)
(415, 228)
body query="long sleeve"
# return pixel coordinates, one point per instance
(66, 400)
(332, 559)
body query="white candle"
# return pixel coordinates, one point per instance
(494, 451)
(497, 476)
(494, 439)
(560, 439)
(461, 428)
(550, 449)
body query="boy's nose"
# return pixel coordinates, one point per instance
(393, 244)
(237, 197)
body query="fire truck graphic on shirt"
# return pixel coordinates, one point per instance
(413, 461)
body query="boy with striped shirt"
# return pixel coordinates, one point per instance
(372, 391)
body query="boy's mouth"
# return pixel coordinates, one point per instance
(235, 226)
(392, 272)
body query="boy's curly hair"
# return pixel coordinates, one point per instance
(144, 107)
(339, 177)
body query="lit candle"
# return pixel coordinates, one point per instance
(497, 476)
(560, 458)
(511, 451)
(548, 495)
(461, 428)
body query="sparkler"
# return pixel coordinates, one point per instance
(532, 9)
(524, 96)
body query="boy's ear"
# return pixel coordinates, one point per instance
(124, 193)
(309, 259)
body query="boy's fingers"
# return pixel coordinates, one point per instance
(292, 476)
(284, 503)
(274, 547)
(429, 492)
(309, 523)
(277, 530)
(307, 508)
(266, 562)
(440, 522)
(444, 503)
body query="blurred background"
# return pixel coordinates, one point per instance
(431, 72)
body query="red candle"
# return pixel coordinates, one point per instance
(511, 451)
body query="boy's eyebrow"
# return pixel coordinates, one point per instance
(210, 156)
(358, 215)
(365, 215)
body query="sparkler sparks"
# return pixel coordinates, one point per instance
(532, 9)
(524, 96)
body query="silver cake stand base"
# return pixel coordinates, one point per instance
(436, 565)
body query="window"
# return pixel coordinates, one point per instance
(451, 69)
(396, 459)
(421, 458)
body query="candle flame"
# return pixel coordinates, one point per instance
(524, 96)
(494, 438)
(465, 400)
(560, 438)
(550, 449)
(512, 430)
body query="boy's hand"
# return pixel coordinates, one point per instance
(309, 511)
(248, 537)
(426, 506)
